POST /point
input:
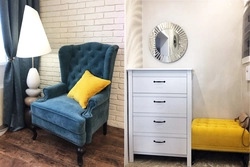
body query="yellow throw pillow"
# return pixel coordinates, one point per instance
(86, 87)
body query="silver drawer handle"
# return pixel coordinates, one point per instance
(159, 101)
(159, 121)
(159, 141)
(159, 81)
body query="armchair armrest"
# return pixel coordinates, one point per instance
(95, 101)
(53, 91)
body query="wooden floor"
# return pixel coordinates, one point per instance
(17, 149)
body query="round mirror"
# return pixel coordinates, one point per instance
(168, 42)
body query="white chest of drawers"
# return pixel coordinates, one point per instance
(159, 112)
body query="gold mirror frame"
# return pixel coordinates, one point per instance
(168, 42)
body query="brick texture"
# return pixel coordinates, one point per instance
(78, 21)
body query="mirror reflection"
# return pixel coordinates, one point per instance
(168, 42)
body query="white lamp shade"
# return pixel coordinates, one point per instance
(33, 41)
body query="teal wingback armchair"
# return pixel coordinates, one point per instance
(63, 116)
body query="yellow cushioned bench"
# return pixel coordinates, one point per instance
(219, 135)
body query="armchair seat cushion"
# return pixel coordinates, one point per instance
(61, 115)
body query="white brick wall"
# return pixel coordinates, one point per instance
(79, 21)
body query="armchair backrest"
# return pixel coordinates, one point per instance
(96, 57)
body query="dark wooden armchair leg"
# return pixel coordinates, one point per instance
(105, 128)
(80, 152)
(33, 128)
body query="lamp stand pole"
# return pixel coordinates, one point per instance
(32, 61)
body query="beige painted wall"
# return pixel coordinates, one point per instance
(78, 21)
(133, 29)
(214, 50)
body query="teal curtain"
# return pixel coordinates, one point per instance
(11, 13)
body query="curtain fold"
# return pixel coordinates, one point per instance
(16, 70)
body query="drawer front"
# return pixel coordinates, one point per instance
(159, 125)
(156, 104)
(160, 84)
(160, 145)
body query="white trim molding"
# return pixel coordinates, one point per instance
(245, 60)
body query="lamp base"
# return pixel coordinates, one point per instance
(33, 92)
(33, 82)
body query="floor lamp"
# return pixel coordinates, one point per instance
(33, 42)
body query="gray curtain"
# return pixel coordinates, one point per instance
(11, 13)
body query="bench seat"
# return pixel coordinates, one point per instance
(218, 135)
(223, 135)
